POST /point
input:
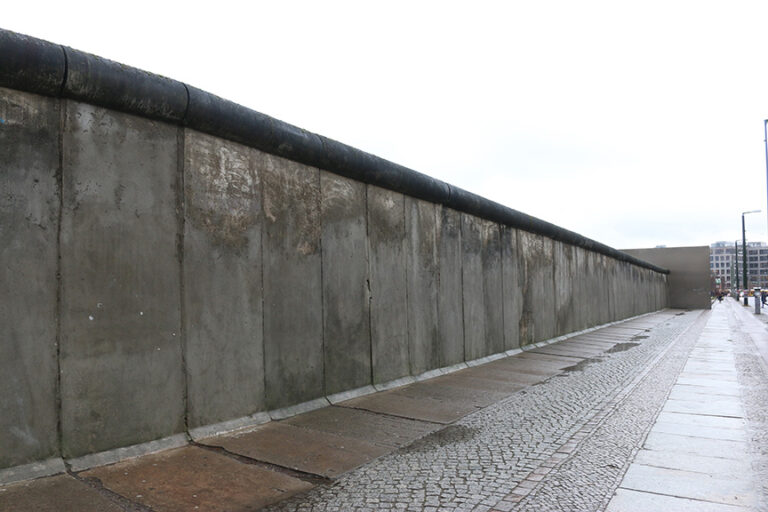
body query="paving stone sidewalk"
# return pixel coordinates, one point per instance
(553, 428)
(701, 453)
(492, 459)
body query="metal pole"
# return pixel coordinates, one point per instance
(744, 256)
(736, 274)
(765, 142)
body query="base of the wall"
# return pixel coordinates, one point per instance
(349, 395)
(403, 381)
(128, 452)
(487, 359)
(56, 465)
(31, 471)
(226, 427)
(293, 410)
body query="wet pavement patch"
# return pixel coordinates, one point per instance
(449, 436)
(621, 347)
(579, 367)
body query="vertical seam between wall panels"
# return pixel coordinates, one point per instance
(463, 299)
(181, 217)
(262, 230)
(61, 104)
(554, 290)
(368, 283)
(181, 226)
(438, 208)
(503, 295)
(406, 246)
(322, 280)
(519, 309)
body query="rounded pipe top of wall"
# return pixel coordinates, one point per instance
(33, 65)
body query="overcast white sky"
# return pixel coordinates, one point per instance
(633, 123)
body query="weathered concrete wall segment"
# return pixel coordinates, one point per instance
(157, 279)
(32, 65)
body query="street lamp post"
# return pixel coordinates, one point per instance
(736, 273)
(744, 251)
(765, 141)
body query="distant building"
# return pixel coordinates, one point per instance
(723, 264)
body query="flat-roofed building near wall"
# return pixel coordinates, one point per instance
(726, 263)
(689, 277)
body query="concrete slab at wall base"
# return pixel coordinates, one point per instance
(349, 395)
(392, 384)
(32, 471)
(225, 427)
(293, 410)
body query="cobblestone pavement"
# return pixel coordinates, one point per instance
(563, 444)
(566, 443)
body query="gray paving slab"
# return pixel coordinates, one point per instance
(561, 360)
(526, 366)
(310, 451)
(507, 375)
(582, 349)
(702, 420)
(726, 449)
(696, 463)
(472, 381)
(590, 341)
(379, 429)
(562, 351)
(627, 500)
(454, 394)
(723, 370)
(686, 484)
(701, 394)
(706, 381)
(728, 434)
(708, 408)
(426, 408)
(714, 376)
(696, 391)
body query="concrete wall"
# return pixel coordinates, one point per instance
(689, 274)
(158, 279)
(29, 226)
